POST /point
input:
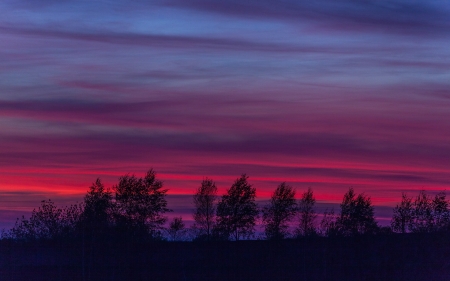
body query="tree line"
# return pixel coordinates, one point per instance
(135, 208)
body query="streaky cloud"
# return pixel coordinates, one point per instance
(163, 41)
(187, 42)
(420, 18)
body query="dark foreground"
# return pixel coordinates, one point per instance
(391, 257)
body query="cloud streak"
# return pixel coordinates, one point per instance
(187, 43)
(399, 17)
(324, 94)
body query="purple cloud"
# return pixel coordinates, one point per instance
(401, 17)
(322, 94)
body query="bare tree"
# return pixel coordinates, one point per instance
(141, 204)
(237, 211)
(205, 208)
(403, 215)
(279, 212)
(307, 215)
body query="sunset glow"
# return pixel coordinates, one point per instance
(327, 95)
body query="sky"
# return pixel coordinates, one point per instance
(322, 94)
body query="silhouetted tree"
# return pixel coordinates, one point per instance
(441, 213)
(176, 230)
(96, 222)
(96, 216)
(403, 215)
(357, 215)
(279, 212)
(237, 210)
(47, 222)
(23, 229)
(70, 219)
(328, 226)
(205, 208)
(140, 204)
(307, 215)
(423, 213)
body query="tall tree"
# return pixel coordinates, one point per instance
(281, 209)
(98, 204)
(307, 215)
(96, 222)
(237, 210)
(403, 215)
(141, 204)
(423, 213)
(205, 208)
(357, 215)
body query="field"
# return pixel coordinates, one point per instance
(390, 257)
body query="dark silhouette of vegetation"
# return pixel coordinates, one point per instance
(106, 237)
(441, 213)
(140, 205)
(47, 222)
(177, 229)
(205, 209)
(280, 211)
(237, 211)
(357, 215)
(328, 226)
(307, 214)
(423, 213)
(135, 207)
(97, 217)
(402, 218)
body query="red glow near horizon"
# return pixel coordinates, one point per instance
(328, 179)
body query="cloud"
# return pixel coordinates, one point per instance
(170, 41)
(226, 125)
(320, 94)
(420, 18)
(114, 146)
(400, 17)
